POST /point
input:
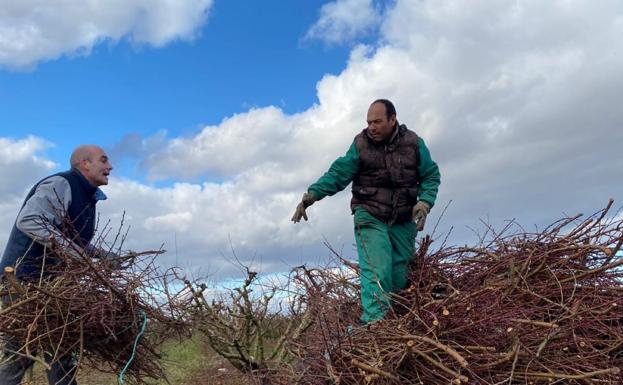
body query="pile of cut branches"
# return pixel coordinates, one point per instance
(96, 310)
(519, 308)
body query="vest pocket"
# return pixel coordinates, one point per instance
(364, 192)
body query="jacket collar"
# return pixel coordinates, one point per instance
(398, 130)
(89, 189)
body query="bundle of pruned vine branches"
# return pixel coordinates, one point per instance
(112, 315)
(543, 307)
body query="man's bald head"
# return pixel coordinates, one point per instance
(92, 162)
(83, 152)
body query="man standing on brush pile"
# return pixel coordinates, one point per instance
(395, 184)
(68, 197)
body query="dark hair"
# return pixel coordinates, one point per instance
(389, 107)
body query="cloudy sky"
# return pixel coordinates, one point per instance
(218, 114)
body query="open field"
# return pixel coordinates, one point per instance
(187, 362)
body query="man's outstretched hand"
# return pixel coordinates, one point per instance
(307, 200)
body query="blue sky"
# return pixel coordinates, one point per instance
(218, 114)
(247, 54)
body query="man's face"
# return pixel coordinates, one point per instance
(96, 167)
(380, 128)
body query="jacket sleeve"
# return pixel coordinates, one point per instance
(429, 172)
(45, 210)
(339, 175)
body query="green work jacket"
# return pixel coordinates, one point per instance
(344, 169)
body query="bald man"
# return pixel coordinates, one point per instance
(66, 196)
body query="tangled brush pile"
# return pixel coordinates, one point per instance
(97, 311)
(521, 308)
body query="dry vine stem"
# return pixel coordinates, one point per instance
(519, 308)
(95, 310)
(249, 326)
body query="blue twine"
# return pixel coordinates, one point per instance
(138, 337)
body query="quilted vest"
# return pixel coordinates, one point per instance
(78, 225)
(387, 183)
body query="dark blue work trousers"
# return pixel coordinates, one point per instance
(13, 366)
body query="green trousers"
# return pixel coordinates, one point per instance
(384, 254)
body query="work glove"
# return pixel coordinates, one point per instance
(307, 200)
(420, 211)
(113, 259)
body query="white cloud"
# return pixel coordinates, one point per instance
(171, 221)
(201, 224)
(36, 30)
(245, 136)
(21, 163)
(343, 20)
